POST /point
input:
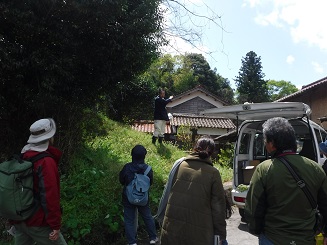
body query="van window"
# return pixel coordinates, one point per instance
(245, 143)
(321, 135)
(324, 136)
(259, 145)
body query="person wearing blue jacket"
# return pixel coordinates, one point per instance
(126, 175)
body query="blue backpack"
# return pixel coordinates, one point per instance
(137, 191)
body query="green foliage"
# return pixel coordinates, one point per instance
(225, 157)
(59, 57)
(208, 78)
(242, 187)
(185, 139)
(226, 173)
(91, 191)
(5, 237)
(90, 188)
(280, 89)
(181, 73)
(251, 86)
(161, 72)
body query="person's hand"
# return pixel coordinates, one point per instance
(325, 240)
(171, 97)
(54, 235)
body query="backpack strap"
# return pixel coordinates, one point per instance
(35, 159)
(147, 170)
(299, 181)
(39, 156)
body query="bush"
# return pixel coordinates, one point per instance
(225, 158)
(91, 192)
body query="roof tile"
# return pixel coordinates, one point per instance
(187, 120)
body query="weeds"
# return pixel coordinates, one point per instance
(90, 189)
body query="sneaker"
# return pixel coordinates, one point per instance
(132, 244)
(154, 241)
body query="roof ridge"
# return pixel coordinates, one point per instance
(313, 83)
(197, 116)
(201, 88)
(304, 89)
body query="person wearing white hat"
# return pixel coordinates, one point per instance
(44, 225)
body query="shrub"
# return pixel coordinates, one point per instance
(225, 158)
(91, 192)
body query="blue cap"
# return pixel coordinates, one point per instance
(323, 147)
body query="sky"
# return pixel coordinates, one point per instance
(290, 37)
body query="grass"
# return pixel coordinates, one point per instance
(91, 192)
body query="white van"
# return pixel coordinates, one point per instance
(250, 148)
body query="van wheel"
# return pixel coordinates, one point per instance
(241, 211)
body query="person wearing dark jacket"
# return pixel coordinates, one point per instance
(126, 175)
(276, 208)
(44, 226)
(160, 116)
(196, 206)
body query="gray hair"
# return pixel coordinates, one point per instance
(281, 133)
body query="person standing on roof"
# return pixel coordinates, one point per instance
(160, 116)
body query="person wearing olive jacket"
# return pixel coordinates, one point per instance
(195, 211)
(277, 210)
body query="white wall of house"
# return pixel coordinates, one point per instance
(183, 99)
(212, 131)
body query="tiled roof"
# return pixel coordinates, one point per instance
(201, 121)
(305, 88)
(201, 89)
(186, 120)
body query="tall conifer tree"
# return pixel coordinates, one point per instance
(251, 86)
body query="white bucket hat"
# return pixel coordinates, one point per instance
(42, 130)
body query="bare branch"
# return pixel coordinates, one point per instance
(188, 25)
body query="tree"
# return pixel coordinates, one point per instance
(251, 87)
(59, 57)
(184, 72)
(209, 78)
(280, 89)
